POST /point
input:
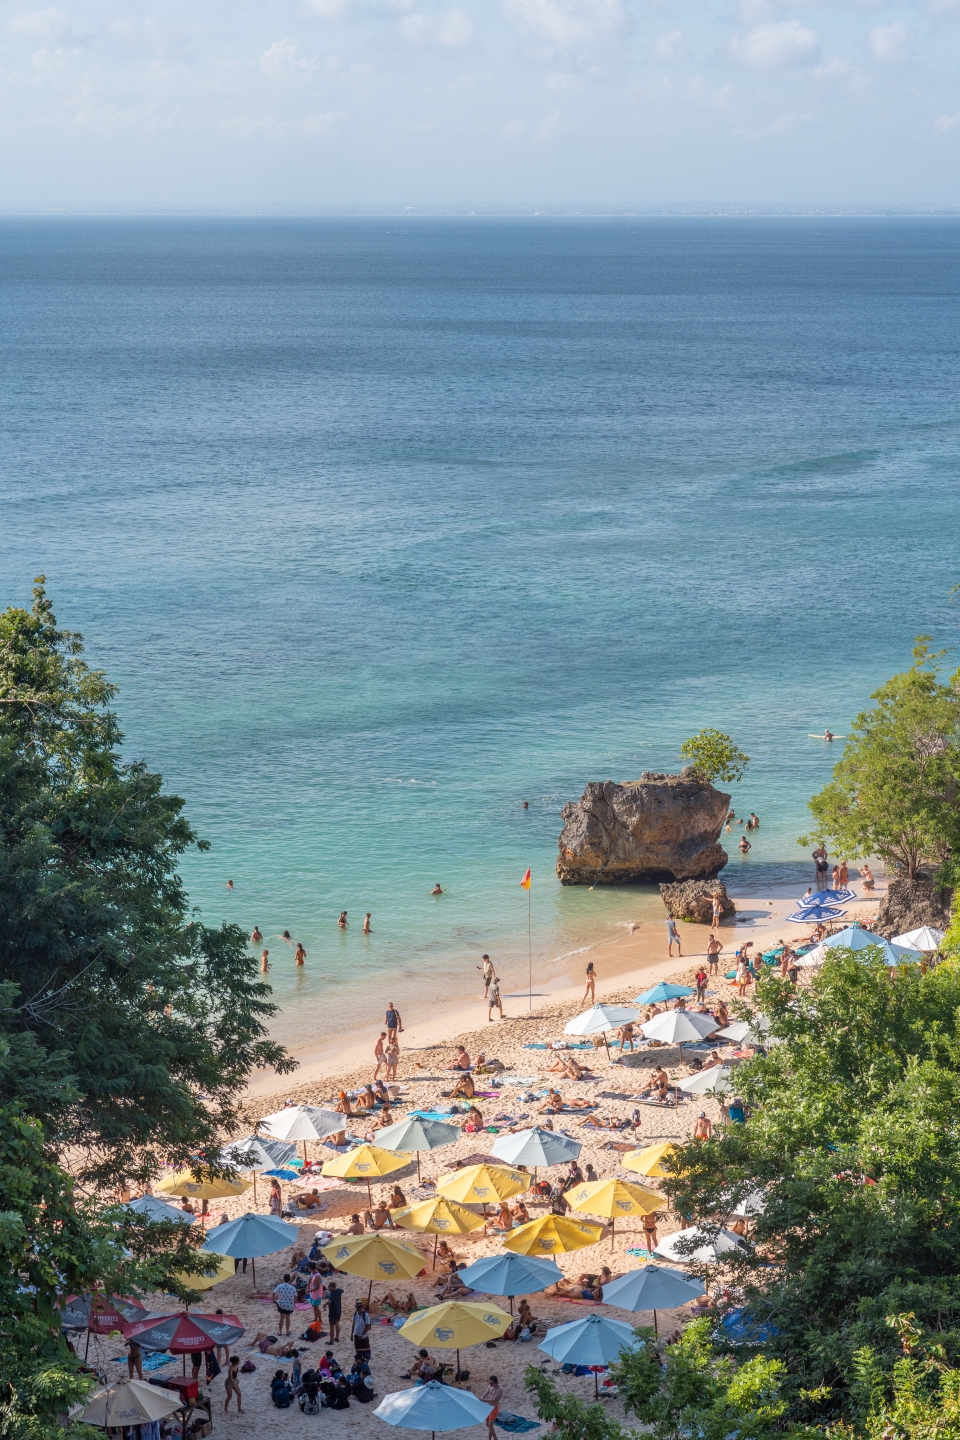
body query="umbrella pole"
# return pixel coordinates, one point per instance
(655, 1330)
(254, 1187)
(369, 1194)
(436, 1242)
(418, 1167)
(254, 1264)
(369, 1292)
(596, 1385)
(86, 1348)
(613, 1231)
(304, 1152)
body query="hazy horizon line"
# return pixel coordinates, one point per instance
(482, 210)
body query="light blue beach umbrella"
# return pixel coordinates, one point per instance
(415, 1134)
(256, 1155)
(250, 1237)
(536, 1147)
(813, 914)
(652, 1287)
(663, 992)
(593, 1340)
(432, 1407)
(855, 938)
(156, 1209)
(511, 1274)
(827, 897)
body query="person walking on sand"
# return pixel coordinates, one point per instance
(713, 953)
(231, 1384)
(701, 983)
(378, 1050)
(703, 1128)
(360, 1332)
(492, 1396)
(393, 1022)
(392, 1057)
(590, 990)
(673, 937)
(488, 974)
(650, 1236)
(300, 954)
(844, 875)
(820, 861)
(334, 1303)
(493, 999)
(285, 1298)
(366, 925)
(264, 962)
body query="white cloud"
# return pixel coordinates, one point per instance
(889, 42)
(281, 59)
(564, 22)
(326, 9)
(835, 69)
(946, 123)
(551, 127)
(45, 25)
(778, 45)
(453, 29)
(671, 47)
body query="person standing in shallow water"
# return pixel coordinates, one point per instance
(255, 936)
(300, 955)
(343, 921)
(366, 924)
(264, 962)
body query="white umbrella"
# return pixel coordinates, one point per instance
(432, 1407)
(854, 937)
(591, 1340)
(156, 1209)
(600, 1017)
(925, 939)
(752, 1031)
(652, 1287)
(674, 1027)
(716, 1078)
(535, 1147)
(303, 1122)
(707, 1247)
(129, 1402)
(753, 1204)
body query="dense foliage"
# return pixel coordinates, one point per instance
(154, 1018)
(714, 756)
(895, 791)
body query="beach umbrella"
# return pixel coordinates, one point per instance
(99, 1313)
(250, 1237)
(707, 1247)
(221, 1268)
(827, 897)
(717, 1078)
(753, 1204)
(455, 1324)
(663, 992)
(129, 1402)
(303, 1122)
(256, 1155)
(183, 1334)
(536, 1147)
(926, 939)
(750, 1032)
(438, 1216)
(483, 1184)
(509, 1274)
(674, 1027)
(592, 1340)
(652, 1287)
(374, 1257)
(552, 1235)
(366, 1162)
(856, 938)
(432, 1407)
(208, 1187)
(599, 1019)
(415, 1134)
(613, 1197)
(156, 1210)
(813, 914)
(649, 1161)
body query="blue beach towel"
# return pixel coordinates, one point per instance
(516, 1424)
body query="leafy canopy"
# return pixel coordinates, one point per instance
(895, 790)
(151, 1019)
(714, 756)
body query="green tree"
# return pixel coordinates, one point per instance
(151, 1019)
(714, 756)
(853, 1138)
(895, 791)
(570, 1417)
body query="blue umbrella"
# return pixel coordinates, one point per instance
(432, 1407)
(854, 937)
(593, 1340)
(250, 1236)
(156, 1209)
(652, 1287)
(662, 992)
(816, 913)
(827, 897)
(511, 1274)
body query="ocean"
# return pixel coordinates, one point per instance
(385, 526)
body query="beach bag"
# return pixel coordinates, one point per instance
(247, 1367)
(213, 1365)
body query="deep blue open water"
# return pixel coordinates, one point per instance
(385, 526)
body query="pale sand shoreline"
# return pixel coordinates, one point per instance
(428, 1045)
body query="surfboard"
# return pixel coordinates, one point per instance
(823, 737)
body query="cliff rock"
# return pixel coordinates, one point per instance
(693, 900)
(909, 904)
(660, 827)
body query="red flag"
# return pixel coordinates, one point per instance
(525, 882)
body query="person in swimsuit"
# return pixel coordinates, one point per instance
(866, 875)
(287, 936)
(591, 979)
(366, 924)
(231, 1384)
(844, 875)
(437, 889)
(300, 954)
(343, 922)
(713, 953)
(492, 1396)
(378, 1053)
(744, 845)
(673, 937)
(264, 962)
(820, 861)
(393, 1022)
(255, 937)
(715, 904)
(488, 974)
(229, 884)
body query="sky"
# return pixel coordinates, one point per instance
(334, 105)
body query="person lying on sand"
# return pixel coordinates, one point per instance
(598, 1122)
(570, 1068)
(584, 1287)
(552, 1105)
(266, 1346)
(402, 1307)
(462, 1061)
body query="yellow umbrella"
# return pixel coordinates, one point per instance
(367, 1162)
(612, 1198)
(222, 1267)
(650, 1160)
(483, 1184)
(208, 1187)
(455, 1324)
(375, 1257)
(552, 1235)
(438, 1217)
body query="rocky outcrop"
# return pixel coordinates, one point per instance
(909, 904)
(660, 827)
(693, 900)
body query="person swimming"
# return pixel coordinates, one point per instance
(437, 890)
(343, 922)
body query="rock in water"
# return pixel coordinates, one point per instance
(660, 827)
(693, 900)
(911, 904)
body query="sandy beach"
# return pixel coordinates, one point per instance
(430, 1042)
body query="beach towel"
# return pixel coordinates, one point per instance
(542, 1045)
(435, 1114)
(642, 1252)
(149, 1362)
(516, 1424)
(573, 1299)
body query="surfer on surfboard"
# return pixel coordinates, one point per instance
(827, 735)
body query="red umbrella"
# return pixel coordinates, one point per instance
(183, 1334)
(99, 1313)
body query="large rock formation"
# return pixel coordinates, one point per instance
(660, 827)
(910, 904)
(693, 900)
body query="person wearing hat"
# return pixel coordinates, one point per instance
(703, 1129)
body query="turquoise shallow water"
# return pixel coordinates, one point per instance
(386, 526)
